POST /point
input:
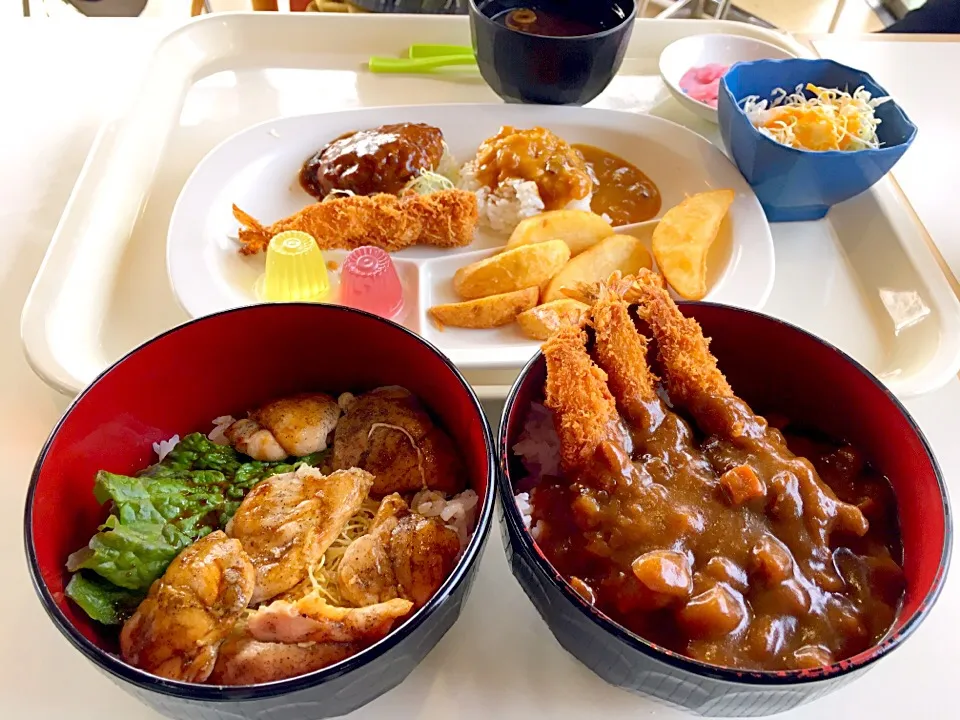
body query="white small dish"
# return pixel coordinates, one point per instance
(700, 50)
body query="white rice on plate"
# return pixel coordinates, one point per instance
(513, 200)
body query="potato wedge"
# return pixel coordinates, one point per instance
(617, 252)
(541, 322)
(683, 237)
(511, 270)
(488, 312)
(579, 229)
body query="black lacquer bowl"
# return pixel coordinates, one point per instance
(526, 68)
(226, 364)
(815, 385)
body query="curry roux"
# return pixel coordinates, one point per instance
(623, 193)
(728, 553)
(536, 155)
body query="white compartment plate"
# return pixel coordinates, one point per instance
(863, 278)
(258, 168)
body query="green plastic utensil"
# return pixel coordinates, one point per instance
(419, 64)
(423, 51)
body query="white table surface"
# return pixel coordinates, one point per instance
(59, 79)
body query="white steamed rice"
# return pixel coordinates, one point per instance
(220, 424)
(513, 200)
(163, 448)
(539, 450)
(459, 513)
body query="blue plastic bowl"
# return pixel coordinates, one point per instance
(801, 184)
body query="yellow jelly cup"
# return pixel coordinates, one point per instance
(296, 270)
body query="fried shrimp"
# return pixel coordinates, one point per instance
(690, 370)
(443, 219)
(577, 392)
(621, 352)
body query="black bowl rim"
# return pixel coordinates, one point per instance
(224, 693)
(898, 148)
(630, 17)
(744, 677)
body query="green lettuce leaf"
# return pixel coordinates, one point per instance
(197, 452)
(194, 490)
(131, 555)
(101, 600)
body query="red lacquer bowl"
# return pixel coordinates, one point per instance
(227, 364)
(775, 367)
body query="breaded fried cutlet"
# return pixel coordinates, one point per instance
(443, 219)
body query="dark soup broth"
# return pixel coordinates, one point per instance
(561, 19)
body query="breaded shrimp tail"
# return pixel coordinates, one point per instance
(577, 393)
(621, 351)
(253, 236)
(444, 219)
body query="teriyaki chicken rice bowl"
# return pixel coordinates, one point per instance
(279, 543)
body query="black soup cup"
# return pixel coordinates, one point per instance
(525, 68)
(814, 385)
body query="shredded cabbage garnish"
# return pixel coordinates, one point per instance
(338, 192)
(429, 182)
(830, 120)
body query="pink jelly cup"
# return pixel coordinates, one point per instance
(369, 281)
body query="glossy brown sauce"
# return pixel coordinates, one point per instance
(379, 160)
(733, 553)
(539, 156)
(624, 193)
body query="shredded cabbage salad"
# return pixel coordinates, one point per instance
(830, 120)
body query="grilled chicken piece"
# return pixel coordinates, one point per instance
(245, 661)
(312, 619)
(424, 552)
(178, 628)
(404, 555)
(388, 433)
(293, 426)
(286, 523)
(365, 575)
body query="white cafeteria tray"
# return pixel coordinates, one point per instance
(864, 278)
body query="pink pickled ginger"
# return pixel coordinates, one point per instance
(703, 83)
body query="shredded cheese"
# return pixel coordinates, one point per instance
(830, 120)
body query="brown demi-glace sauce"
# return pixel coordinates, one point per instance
(539, 156)
(379, 160)
(751, 569)
(624, 193)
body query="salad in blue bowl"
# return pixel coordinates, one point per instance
(808, 134)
